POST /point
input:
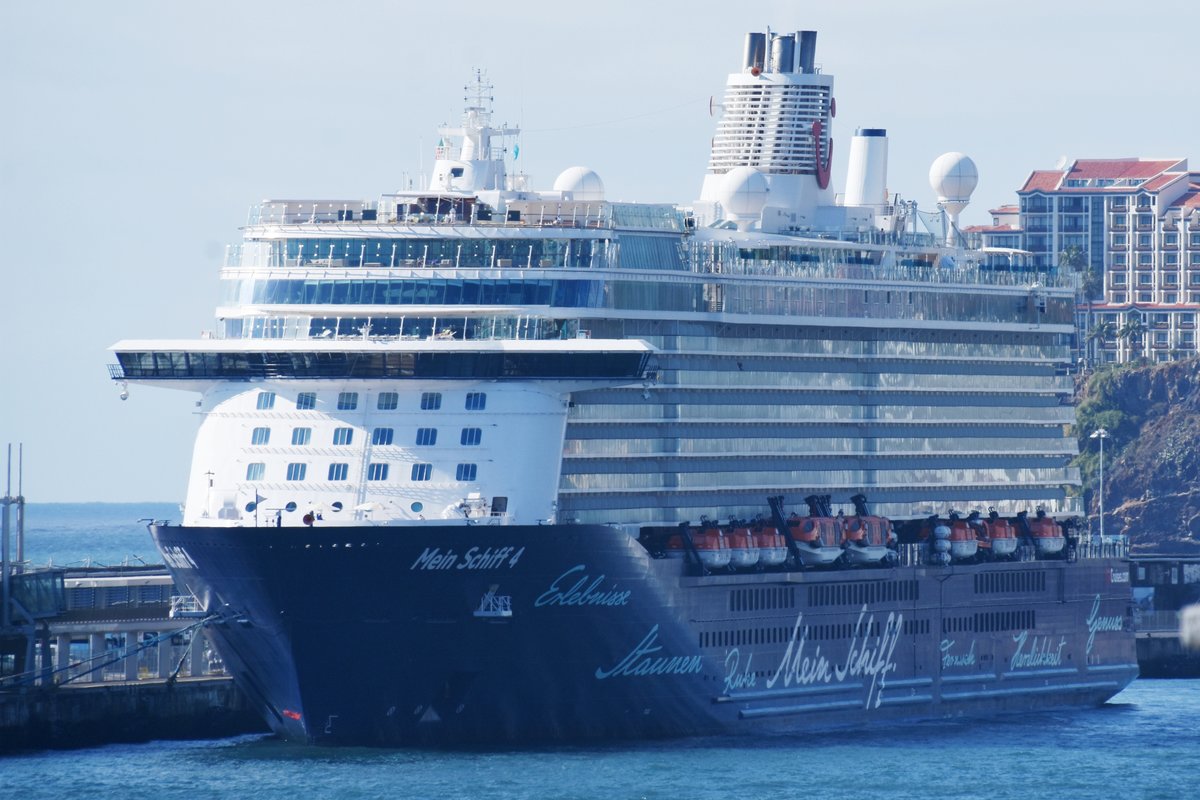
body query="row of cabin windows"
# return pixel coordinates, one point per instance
(385, 401)
(379, 436)
(298, 471)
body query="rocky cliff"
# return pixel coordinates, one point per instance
(1152, 455)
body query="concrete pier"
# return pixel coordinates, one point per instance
(99, 655)
(133, 711)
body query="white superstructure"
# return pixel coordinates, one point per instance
(483, 351)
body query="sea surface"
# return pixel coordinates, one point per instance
(1145, 743)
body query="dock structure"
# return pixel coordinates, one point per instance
(110, 654)
(104, 654)
(1163, 586)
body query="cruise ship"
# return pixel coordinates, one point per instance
(480, 463)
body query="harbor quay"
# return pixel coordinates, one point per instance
(110, 654)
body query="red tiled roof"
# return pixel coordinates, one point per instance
(1045, 180)
(1006, 209)
(1189, 199)
(1117, 168)
(1156, 183)
(991, 229)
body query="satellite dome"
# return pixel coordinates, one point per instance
(744, 192)
(580, 184)
(953, 176)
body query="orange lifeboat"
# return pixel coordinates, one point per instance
(712, 548)
(963, 543)
(743, 551)
(865, 536)
(999, 536)
(772, 547)
(1047, 534)
(818, 540)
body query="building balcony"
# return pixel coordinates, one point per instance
(1118, 226)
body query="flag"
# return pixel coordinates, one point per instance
(516, 151)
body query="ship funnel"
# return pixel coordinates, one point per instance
(808, 52)
(756, 52)
(783, 53)
(866, 178)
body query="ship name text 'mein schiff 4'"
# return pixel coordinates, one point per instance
(480, 463)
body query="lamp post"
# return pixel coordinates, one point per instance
(1101, 434)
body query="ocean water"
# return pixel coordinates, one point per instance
(1145, 743)
(91, 534)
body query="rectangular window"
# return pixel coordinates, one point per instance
(295, 472)
(339, 472)
(343, 435)
(382, 436)
(476, 401)
(301, 436)
(1145, 279)
(266, 400)
(465, 472)
(388, 401)
(422, 472)
(431, 401)
(471, 436)
(427, 436)
(377, 472)
(1145, 297)
(260, 436)
(347, 401)
(255, 471)
(306, 401)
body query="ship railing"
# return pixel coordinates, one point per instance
(911, 554)
(1114, 547)
(1147, 620)
(186, 606)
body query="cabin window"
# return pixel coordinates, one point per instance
(431, 401)
(471, 436)
(260, 436)
(295, 472)
(306, 401)
(347, 401)
(255, 471)
(301, 436)
(422, 472)
(382, 435)
(339, 472)
(343, 435)
(388, 401)
(426, 436)
(266, 400)
(465, 472)
(377, 472)
(476, 401)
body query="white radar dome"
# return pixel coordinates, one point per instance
(744, 192)
(953, 176)
(580, 184)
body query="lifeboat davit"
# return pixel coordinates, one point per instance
(743, 550)
(712, 548)
(999, 537)
(1047, 535)
(772, 547)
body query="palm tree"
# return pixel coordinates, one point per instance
(1132, 332)
(1097, 336)
(1087, 285)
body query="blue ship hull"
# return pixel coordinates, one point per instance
(469, 635)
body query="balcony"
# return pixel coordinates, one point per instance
(1118, 226)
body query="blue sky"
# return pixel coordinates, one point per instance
(137, 134)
